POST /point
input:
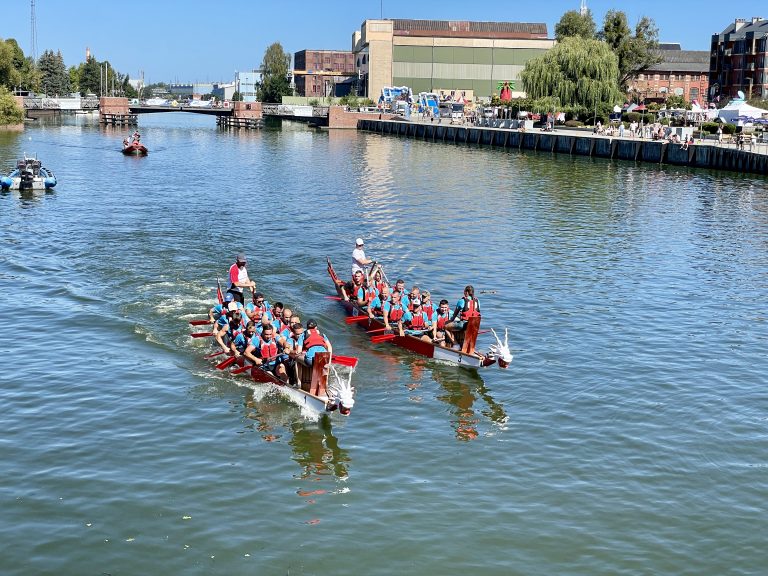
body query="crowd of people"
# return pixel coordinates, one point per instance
(411, 312)
(267, 336)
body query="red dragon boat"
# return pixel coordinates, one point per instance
(326, 385)
(466, 357)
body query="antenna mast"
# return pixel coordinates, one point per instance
(583, 9)
(33, 47)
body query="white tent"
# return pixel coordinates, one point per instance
(737, 108)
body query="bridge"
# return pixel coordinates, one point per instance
(144, 109)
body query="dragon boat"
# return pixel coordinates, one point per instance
(29, 174)
(466, 357)
(325, 385)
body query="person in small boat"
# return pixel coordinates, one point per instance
(440, 335)
(136, 136)
(466, 307)
(359, 260)
(265, 351)
(313, 341)
(258, 308)
(393, 310)
(125, 142)
(238, 278)
(415, 322)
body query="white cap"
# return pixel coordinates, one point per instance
(359, 242)
(232, 306)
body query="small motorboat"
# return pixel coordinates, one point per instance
(134, 148)
(29, 174)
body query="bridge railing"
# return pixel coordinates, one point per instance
(40, 103)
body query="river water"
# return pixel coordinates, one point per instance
(627, 437)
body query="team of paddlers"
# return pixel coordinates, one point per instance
(413, 313)
(267, 336)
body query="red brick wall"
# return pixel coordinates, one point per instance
(113, 105)
(247, 109)
(339, 118)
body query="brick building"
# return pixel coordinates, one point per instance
(681, 72)
(739, 60)
(321, 73)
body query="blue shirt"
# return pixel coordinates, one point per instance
(310, 353)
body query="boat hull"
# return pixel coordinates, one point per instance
(411, 343)
(135, 149)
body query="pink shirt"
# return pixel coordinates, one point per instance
(237, 274)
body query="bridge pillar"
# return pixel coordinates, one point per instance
(114, 110)
(247, 110)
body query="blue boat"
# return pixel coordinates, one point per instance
(29, 174)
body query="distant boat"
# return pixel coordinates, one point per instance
(134, 148)
(29, 174)
(157, 102)
(200, 104)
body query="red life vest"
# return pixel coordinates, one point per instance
(417, 321)
(260, 310)
(380, 285)
(442, 320)
(312, 337)
(428, 308)
(268, 349)
(470, 309)
(396, 313)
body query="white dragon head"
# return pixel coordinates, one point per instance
(341, 393)
(501, 351)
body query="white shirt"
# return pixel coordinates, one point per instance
(358, 256)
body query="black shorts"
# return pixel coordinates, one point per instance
(238, 296)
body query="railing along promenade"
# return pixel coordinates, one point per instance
(565, 141)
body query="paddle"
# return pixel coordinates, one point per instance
(219, 295)
(199, 322)
(201, 334)
(226, 363)
(383, 338)
(344, 360)
(333, 297)
(219, 353)
(243, 368)
(353, 319)
(377, 330)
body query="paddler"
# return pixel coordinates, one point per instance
(313, 341)
(440, 335)
(466, 307)
(238, 278)
(415, 322)
(265, 351)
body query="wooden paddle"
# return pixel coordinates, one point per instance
(199, 322)
(353, 319)
(226, 363)
(383, 338)
(201, 334)
(244, 368)
(378, 330)
(219, 353)
(344, 360)
(333, 297)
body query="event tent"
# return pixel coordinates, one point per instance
(730, 114)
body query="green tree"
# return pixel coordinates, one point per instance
(635, 52)
(675, 101)
(90, 77)
(9, 75)
(16, 70)
(274, 84)
(54, 78)
(572, 23)
(74, 78)
(10, 112)
(576, 71)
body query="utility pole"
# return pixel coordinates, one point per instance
(33, 47)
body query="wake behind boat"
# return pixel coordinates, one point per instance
(29, 174)
(465, 355)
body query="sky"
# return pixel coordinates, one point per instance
(193, 41)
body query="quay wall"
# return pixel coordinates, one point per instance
(339, 118)
(695, 156)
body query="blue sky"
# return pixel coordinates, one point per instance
(193, 41)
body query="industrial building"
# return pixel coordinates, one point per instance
(321, 73)
(434, 55)
(680, 73)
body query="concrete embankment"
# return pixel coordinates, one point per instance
(696, 155)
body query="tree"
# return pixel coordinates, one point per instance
(16, 70)
(89, 75)
(577, 71)
(10, 112)
(54, 78)
(274, 84)
(572, 23)
(637, 52)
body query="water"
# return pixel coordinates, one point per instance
(627, 437)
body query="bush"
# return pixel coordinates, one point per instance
(634, 117)
(664, 121)
(10, 112)
(574, 123)
(729, 128)
(710, 127)
(314, 102)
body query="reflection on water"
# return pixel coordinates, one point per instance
(462, 389)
